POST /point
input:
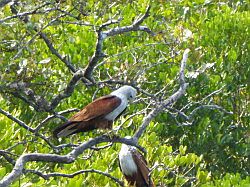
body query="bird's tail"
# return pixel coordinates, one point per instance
(66, 129)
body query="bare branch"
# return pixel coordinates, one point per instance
(206, 97)
(38, 102)
(26, 100)
(69, 158)
(21, 161)
(6, 154)
(183, 65)
(18, 121)
(134, 27)
(182, 114)
(110, 22)
(55, 52)
(213, 93)
(95, 148)
(35, 11)
(121, 30)
(147, 119)
(38, 127)
(68, 91)
(140, 20)
(209, 107)
(18, 143)
(47, 176)
(77, 23)
(189, 118)
(101, 35)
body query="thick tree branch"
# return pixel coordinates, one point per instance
(173, 98)
(69, 158)
(121, 30)
(134, 27)
(22, 160)
(6, 154)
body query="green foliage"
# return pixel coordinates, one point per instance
(230, 180)
(211, 149)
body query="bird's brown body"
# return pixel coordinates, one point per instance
(90, 117)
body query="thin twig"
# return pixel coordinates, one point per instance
(18, 121)
(38, 127)
(49, 175)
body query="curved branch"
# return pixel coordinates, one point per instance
(209, 107)
(69, 158)
(173, 98)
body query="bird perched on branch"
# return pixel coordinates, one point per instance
(134, 167)
(99, 114)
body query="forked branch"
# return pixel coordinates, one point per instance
(102, 35)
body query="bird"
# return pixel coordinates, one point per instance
(98, 114)
(134, 167)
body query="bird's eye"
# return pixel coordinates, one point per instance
(131, 96)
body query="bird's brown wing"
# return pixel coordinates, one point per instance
(143, 170)
(90, 117)
(99, 107)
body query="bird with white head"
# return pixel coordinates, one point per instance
(99, 114)
(134, 167)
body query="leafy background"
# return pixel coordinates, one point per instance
(212, 149)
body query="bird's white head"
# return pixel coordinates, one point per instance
(128, 91)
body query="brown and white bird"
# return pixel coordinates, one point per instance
(134, 167)
(99, 114)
